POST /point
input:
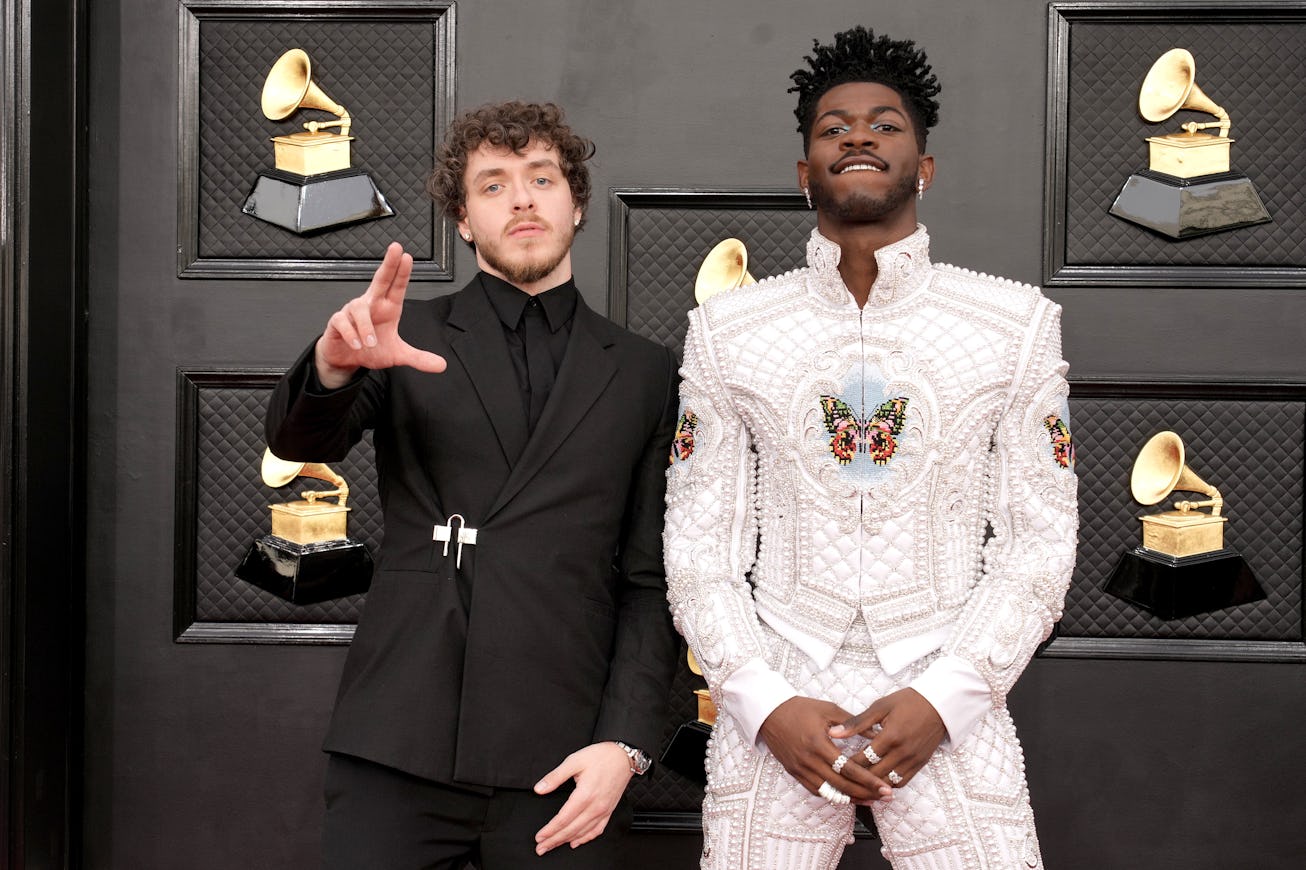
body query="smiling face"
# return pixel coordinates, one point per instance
(520, 214)
(863, 162)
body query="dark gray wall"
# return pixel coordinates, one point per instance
(1132, 764)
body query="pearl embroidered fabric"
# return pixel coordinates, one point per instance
(786, 519)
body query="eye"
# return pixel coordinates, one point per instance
(836, 130)
(493, 188)
(543, 181)
(886, 126)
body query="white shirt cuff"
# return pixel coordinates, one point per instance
(957, 692)
(752, 693)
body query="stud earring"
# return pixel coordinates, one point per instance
(920, 188)
(808, 194)
(576, 222)
(467, 237)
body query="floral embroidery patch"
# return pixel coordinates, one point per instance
(876, 436)
(682, 446)
(1063, 446)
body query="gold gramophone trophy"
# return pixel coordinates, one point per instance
(309, 557)
(1188, 188)
(314, 186)
(686, 753)
(1183, 567)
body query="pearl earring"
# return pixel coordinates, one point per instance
(808, 195)
(920, 188)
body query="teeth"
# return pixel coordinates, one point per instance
(860, 167)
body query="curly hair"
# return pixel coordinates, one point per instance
(858, 55)
(514, 125)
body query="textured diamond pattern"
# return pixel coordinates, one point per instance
(231, 511)
(666, 246)
(382, 73)
(1252, 69)
(1252, 451)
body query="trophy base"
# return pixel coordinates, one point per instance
(686, 754)
(307, 573)
(1182, 208)
(307, 204)
(1173, 587)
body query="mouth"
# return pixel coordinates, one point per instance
(859, 163)
(526, 229)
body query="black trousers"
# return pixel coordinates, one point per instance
(379, 818)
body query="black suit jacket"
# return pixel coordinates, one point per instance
(568, 638)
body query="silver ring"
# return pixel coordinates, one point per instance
(895, 778)
(838, 763)
(871, 755)
(832, 794)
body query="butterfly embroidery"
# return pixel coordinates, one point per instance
(1063, 447)
(876, 435)
(682, 446)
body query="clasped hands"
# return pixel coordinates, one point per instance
(903, 727)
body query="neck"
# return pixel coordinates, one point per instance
(858, 243)
(560, 274)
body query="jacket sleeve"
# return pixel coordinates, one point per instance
(1028, 560)
(634, 706)
(307, 423)
(711, 541)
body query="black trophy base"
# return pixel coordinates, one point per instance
(1181, 208)
(307, 204)
(1173, 587)
(307, 573)
(686, 754)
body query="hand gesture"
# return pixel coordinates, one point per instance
(601, 771)
(365, 332)
(905, 730)
(798, 735)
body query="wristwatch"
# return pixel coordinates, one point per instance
(639, 760)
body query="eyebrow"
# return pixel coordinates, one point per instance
(496, 171)
(875, 110)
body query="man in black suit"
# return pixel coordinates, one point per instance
(510, 672)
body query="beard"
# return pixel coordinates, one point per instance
(531, 264)
(861, 206)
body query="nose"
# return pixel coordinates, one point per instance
(523, 197)
(859, 135)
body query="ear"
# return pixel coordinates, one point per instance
(925, 169)
(802, 174)
(576, 215)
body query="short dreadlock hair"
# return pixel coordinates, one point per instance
(513, 125)
(858, 55)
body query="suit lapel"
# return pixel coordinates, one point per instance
(476, 336)
(586, 370)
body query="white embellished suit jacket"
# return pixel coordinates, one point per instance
(910, 461)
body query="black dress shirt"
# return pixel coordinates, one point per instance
(511, 303)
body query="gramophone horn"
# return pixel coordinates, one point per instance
(724, 268)
(1171, 85)
(1159, 470)
(290, 86)
(279, 472)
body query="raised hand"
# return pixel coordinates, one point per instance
(904, 728)
(798, 735)
(364, 333)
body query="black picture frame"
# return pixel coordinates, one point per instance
(372, 52)
(1229, 427)
(1098, 55)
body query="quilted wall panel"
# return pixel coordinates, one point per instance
(389, 65)
(1250, 62)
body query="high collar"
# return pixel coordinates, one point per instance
(904, 268)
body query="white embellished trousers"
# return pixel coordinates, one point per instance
(967, 809)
